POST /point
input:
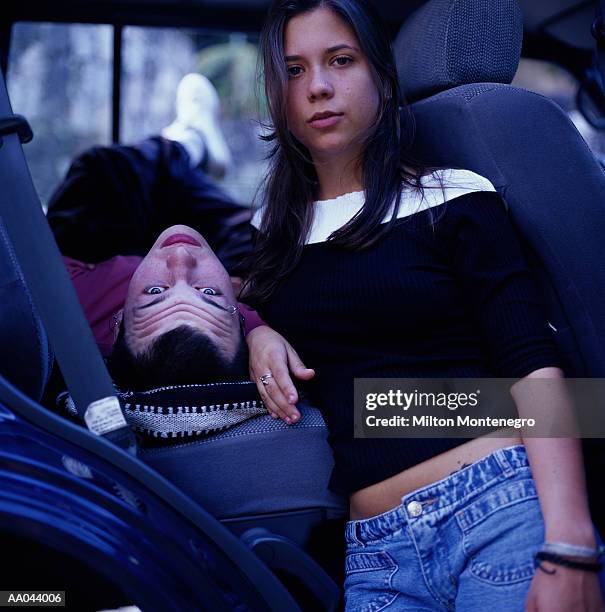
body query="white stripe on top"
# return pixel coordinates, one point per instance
(439, 187)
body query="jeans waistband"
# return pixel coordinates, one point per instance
(452, 490)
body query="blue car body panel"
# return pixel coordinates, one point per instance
(56, 493)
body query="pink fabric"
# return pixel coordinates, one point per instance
(102, 288)
(251, 318)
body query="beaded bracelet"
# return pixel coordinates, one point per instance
(586, 566)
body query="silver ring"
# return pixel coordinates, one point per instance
(265, 378)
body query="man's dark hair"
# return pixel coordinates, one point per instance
(181, 356)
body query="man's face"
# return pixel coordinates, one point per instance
(181, 282)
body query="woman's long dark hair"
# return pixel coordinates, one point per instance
(292, 185)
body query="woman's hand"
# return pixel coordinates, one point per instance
(271, 353)
(567, 590)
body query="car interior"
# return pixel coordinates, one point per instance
(86, 505)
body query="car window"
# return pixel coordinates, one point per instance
(556, 83)
(155, 59)
(60, 77)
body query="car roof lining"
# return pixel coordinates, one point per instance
(567, 22)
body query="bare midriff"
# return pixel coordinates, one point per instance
(387, 494)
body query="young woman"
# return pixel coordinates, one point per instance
(374, 267)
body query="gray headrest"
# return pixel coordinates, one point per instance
(446, 43)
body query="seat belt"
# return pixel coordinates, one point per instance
(51, 288)
(598, 33)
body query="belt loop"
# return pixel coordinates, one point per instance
(501, 458)
(350, 531)
(358, 533)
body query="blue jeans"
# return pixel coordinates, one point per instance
(466, 542)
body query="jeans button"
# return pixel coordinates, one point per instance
(414, 508)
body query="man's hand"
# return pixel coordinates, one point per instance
(271, 353)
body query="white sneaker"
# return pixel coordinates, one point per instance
(191, 139)
(197, 124)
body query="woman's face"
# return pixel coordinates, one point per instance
(332, 99)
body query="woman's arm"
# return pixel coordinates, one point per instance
(558, 472)
(271, 353)
(556, 463)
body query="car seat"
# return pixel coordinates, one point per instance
(268, 479)
(27, 358)
(218, 444)
(456, 59)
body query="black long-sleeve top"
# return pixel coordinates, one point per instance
(446, 293)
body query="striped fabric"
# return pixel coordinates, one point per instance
(185, 411)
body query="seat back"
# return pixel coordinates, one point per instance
(240, 472)
(264, 473)
(529, 149)
(525, 144)
(26, 357)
